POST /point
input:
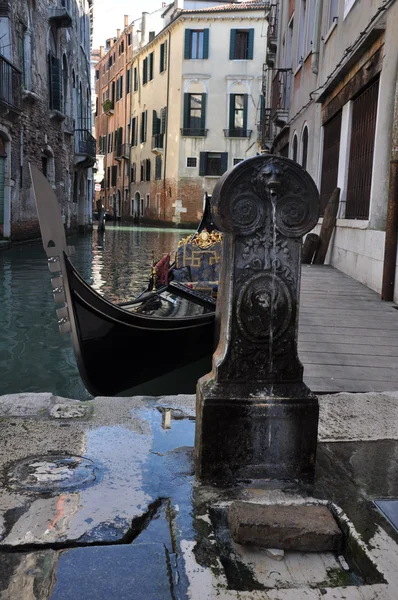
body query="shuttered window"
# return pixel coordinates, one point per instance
(163, 57)
(144, 117)
(196, 45)
(364, 113)
(150, 66)
(241, 44)
(145, 71)
(213, 163)
(135, 88)
(158, 167)
(55, 74)
(194, 114)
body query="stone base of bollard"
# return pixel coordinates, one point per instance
(255, 436)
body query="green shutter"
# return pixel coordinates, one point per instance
(232, 111)
(161, 62)
(164, 117)
(145, 124)
(202, 163)
(206, 43)
(251, 44)
(232, 44)
(151, 66)
(165, 56)
(224, 162)
(186, 111)
(187, 44)
(245, 98)
(154, 122)
(203, 115)
(55, 83)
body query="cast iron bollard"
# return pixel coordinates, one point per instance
(255, 416)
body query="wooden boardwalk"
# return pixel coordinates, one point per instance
(348, 337)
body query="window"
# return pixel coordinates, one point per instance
(192, 161)
(135, 79)
(301, 31)
(129, 39)
(304, 148)
(194, 114)
(213, 164)
(128, 81)
(144, 118)
(163, 57)
(97, 74)
(333, 12)
(147, 201)
(196, 44)
(241, 44)
(114, 175)
(158, 167)
(121, 47)
(133, 172)
(134, 131)
(148, 169)
(309, 30)
(55, 83)
(142, 171)
(119, 88)
(294, 148)
(238, 115)
(145, 71)
(150, 66)
(237, 161)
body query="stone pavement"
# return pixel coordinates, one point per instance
(98, 500)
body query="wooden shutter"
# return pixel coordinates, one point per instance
(161, 61)
(224, 162)
(154, 122)
(187, 44)
(203, 115)
(165, 56)
(205, 43)
(245, 99)
(164, 118)
(145, 124)
(186, 111)
(202, 163)
(114, 175)
(55, 83)
(250, 45)
(151, 66)
(232, 44)
(232, 111)
(145, 71)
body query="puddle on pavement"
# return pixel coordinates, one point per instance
(159, 461)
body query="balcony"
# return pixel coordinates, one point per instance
(157, 143)
(59, 17)
(272, 33)
(108, 107)
(237, 133)
(10, 85)
(280, 93)
(122, 151)
(265, 134)
(189, 132)
(85, 148)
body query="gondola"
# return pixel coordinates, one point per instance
(158, 344)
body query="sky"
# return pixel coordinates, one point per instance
(108, 16)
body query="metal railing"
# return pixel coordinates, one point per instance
(237, 133)
(272, 18)
(189, 132)
(85, 143)
(280, 94)
(158, 141)
(10, 84)
(265, 133)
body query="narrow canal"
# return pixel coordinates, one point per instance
(33, 355)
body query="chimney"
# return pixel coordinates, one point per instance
(117, 33)
(102, 52)
(126, 21)
(144, 33)
(111, 42)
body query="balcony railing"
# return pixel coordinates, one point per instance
(189, 132)
(237, 133)
(157, 142)
(272, 18)
(280, 93)
(59, 17)
(85, 143)
(108, 107)
(122, 151)
(265, 133)
(10, 84)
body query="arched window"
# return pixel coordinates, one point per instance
(304, 148)
(65, 86)
(294, 148)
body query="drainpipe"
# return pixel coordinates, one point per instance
(166, 126)
(317, 36)
(390, 247)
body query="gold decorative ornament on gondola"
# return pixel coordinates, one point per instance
(203, 240)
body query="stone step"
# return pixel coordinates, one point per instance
(304, 527)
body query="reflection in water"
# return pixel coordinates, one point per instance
(33, 355)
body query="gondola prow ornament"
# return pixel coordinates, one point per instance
(255, 416)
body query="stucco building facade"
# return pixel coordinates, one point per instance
(45, 110)
(330, 88)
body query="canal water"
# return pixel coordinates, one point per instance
(34, 357)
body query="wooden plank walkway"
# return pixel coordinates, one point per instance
(348, 337)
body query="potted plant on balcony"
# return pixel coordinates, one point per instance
(108, 106)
